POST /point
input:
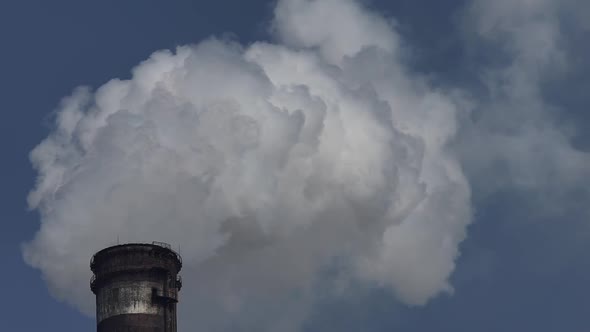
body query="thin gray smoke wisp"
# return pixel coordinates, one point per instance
(526, 148)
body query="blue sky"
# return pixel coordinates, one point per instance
(523, 263)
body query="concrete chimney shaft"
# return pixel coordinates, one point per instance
(136, 287)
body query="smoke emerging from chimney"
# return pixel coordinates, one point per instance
(272, 166)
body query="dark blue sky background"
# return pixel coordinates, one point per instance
(531, 275)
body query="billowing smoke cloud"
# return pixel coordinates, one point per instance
(274, 167)
(289, 171)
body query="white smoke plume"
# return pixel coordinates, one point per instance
(272, 166)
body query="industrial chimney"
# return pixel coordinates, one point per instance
(136, 287)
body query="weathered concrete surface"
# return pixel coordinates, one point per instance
(126, 298)
(136, 287)
(132, 323)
